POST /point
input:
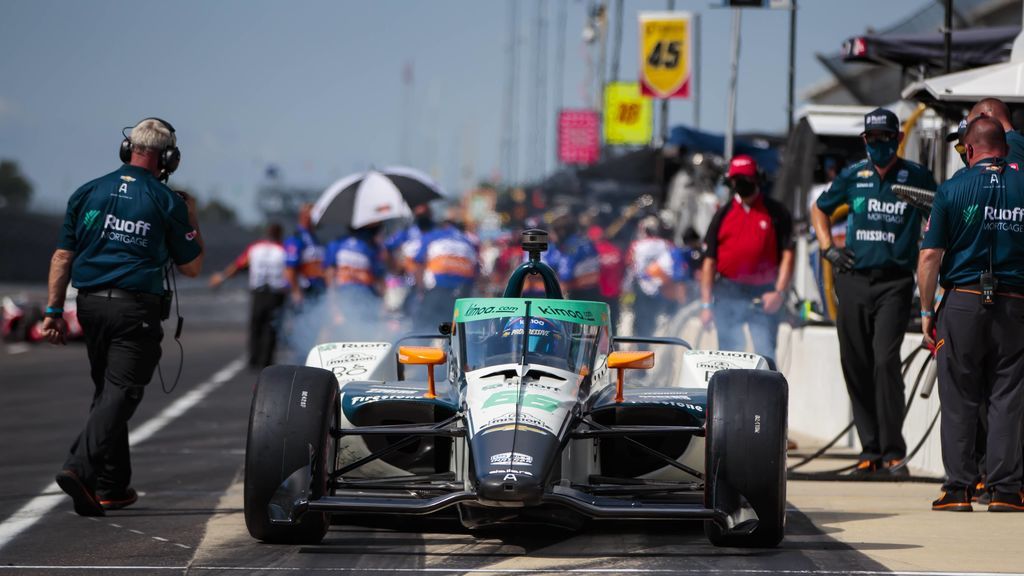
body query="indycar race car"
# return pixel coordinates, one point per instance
(538, 415)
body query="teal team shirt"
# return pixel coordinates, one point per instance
(1015, 142)
(123, 229)
(979, 212)
(881, 230)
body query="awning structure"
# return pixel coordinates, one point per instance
(1004, 81)
(970, 48)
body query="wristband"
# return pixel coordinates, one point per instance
(52, 310)
(706, 305)
(927, 314)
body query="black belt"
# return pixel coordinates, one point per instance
(124, 294)
(1010, 291)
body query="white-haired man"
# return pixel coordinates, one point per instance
(120, 231)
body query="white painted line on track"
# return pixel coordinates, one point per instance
(464, 570)
(51, 496)
(20, 348)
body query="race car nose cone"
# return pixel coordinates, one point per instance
(510, 487)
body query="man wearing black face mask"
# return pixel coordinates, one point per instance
(874, 284)
(748, 263)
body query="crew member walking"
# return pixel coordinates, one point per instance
(874, 285)
(265, 261)
(447, 265)
(748, 263)
(975, 244)
(120, 232)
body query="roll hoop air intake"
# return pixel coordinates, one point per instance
(534, 241)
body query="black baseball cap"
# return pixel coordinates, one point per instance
(881, 119)
(959, 133)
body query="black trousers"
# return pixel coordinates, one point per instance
(872, 320)
(122, 337)
(981, 358)
(264, 323)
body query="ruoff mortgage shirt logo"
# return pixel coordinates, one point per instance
(879, 211)
(1004, 219)
(970, 214)
(126, 231)
(90, 219)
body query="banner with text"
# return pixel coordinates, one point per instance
(628, 116)
(666, 69)
(579, 137)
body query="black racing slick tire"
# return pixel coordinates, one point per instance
(745, 466)
(293, 409)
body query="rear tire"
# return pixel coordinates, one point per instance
(745, 454)
(293, 409)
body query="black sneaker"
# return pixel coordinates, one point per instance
(118, 500)
(865, 468)
(84, 499)
(1007, 502)
(954, 501)
(896, 468)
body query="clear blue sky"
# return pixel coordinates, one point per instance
(316, 87)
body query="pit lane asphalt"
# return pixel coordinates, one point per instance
(188, 519)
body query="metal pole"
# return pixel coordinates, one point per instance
(560, 55)
(792, 68)
(617, 47)
(664, 101)
(730, 131)
(695, 62)
(947, 36)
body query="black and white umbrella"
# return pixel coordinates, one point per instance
(374, 196)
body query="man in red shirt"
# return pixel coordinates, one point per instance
(612, 267)
(748, 263)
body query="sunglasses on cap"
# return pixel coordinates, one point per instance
(960, 148)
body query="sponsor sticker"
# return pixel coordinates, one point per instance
(511, 458)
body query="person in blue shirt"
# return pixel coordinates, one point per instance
(575, 259)
(401, 249)
(974, 247)
(354, 267)
(997, 110)
(447, 265)
(304, 257)
(120, 232)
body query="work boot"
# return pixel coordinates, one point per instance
(954, 501)
(83, 497)
(1007, 502)
(119, 499)
(981, 494)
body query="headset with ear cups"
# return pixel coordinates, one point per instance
(169, 157)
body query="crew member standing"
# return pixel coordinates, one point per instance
(265, 260)
(997, 110)
(355, 273)
(748, 263)
(874, 284)
(656, 272)
(975, 243)
(305, 257)
(120, 232)
(447, 264)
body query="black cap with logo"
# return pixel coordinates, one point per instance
(882, 120)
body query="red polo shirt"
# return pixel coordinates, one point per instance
(747, 241)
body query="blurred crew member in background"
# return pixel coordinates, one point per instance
(578, 265)
(120, 231)
(265, 260)
(974, 243)
(354, 267)
(657, 273)
(748, 263)
(612, 268)
(447, 264)
(997, 110)
(400, 250)
(305, 259)
(961, 149)
(874, 284)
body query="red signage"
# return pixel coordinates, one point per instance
(579, 137)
